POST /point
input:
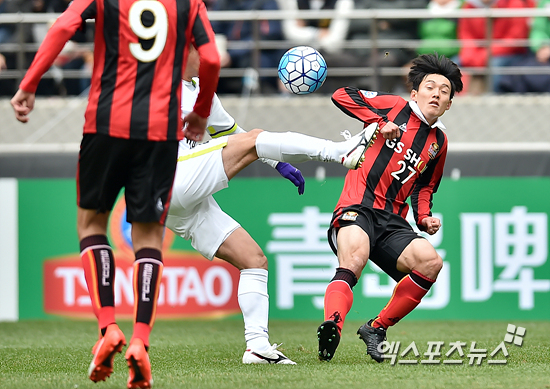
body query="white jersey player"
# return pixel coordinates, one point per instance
(206, 168)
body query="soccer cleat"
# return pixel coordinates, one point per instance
(359, 144)
(373, 338)
(271, 356)
(139, 366)
(329, 338)
(104, 352)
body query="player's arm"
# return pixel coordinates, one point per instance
(209, 71)
(59, 33)
(422, 196)
(367, 106)
(56, 38)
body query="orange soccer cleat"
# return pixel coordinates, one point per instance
(139, 366)
(104, 352)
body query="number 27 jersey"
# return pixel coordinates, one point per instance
(394, 170)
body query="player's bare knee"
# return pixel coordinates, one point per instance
(431, 266)
(258, 262)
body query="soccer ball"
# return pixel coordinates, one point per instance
(302, 70)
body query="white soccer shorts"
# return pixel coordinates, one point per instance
(194, 214)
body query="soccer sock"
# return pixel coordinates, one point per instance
(339, 296)
(294, 147)
(406, 296)
(147, 275)
(254, 304)
(98, 263)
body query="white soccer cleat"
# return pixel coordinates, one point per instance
(270, 356)
(359, 144)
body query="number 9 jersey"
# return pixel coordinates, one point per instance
(140, 51)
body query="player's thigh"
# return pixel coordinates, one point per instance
(102, 170)
(353, 248)
(199, 173)
(240, 250)
(149, 181)
(205, 224)
(240, 152)
(389, 249)
(420, 255)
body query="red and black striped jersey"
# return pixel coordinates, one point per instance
(140, 53)
(394, 170)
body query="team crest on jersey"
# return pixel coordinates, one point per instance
(433, 150)
(369, 94)
(350, 216)
(403, 127)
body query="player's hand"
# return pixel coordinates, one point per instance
(194, 126)
(431, 224)
(291, 173)
(22, 103)
(390, 131)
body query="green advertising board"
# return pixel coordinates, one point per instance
(494, 243)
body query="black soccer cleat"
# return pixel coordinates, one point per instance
(329, 338)
(373, 338)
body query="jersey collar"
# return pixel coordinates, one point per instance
(414, 106)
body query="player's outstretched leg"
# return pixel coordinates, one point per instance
(329, 338)
(104, 352)
(139, 366)
(294, 147)
(373, 338)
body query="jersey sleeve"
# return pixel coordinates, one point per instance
(209, 70)
(367, 106)
(220, 122)
(425, 187)
(61, 31)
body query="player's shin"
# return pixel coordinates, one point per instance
(339, 296)
(147, 275)
(407, 294)
(254, 303)
(294, 147)
(99, 270)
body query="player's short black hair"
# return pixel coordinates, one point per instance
(426, 64)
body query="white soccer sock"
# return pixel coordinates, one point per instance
(295, 147)
(254, 303)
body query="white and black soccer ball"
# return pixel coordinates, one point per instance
(302, 70)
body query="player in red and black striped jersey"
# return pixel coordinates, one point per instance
(131, 133)
(406, 162)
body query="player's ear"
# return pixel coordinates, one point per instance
(449, 105)
(414, 94)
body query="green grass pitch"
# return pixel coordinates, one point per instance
(207, 354)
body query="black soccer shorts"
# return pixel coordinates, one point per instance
(388, 233)
(145, 169)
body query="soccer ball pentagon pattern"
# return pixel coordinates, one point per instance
(302, 70)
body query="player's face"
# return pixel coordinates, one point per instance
(433, 96)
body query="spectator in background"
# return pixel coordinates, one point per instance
(325, 35)
(397, 30)
(438, 34)
(472, 54)
(539, 38)
(243, 30)
(540, 35)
